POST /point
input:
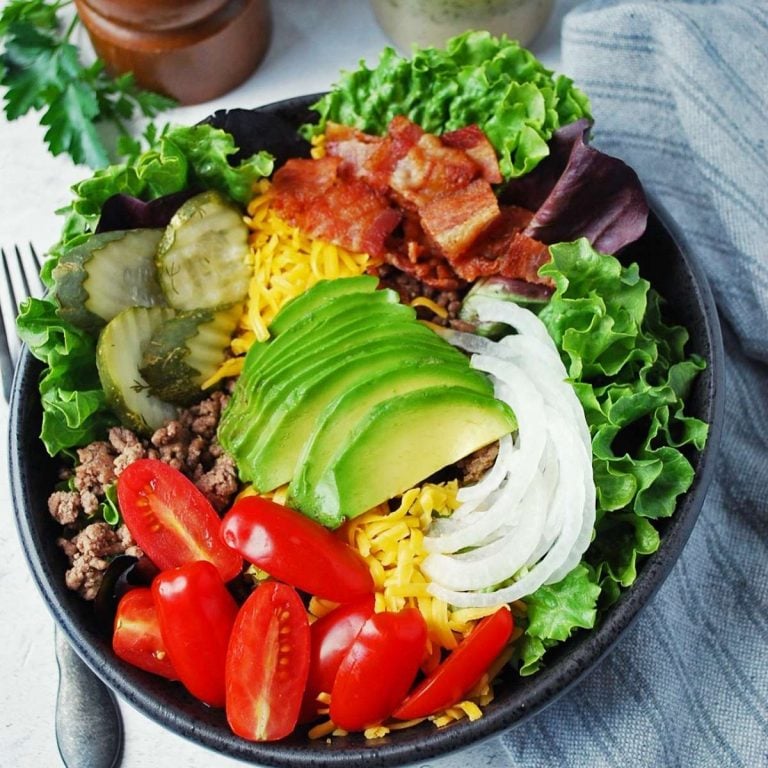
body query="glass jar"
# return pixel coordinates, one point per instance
(432, 22)
(191, 50)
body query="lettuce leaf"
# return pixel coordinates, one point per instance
(554, 612)
(181, 157)
(632, 374)
(74, 409)
(492, 82)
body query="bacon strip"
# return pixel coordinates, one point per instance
(456, 219)
(312, 196)
(420, 202)
(476, 144)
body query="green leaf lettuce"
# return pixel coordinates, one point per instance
(477, 79)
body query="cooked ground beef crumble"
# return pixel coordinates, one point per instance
(188, 444)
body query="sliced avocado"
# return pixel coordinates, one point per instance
(342, 415)
(401, 442)
(366, 338)
(255, 379)
(268, 450)
(327, 322)
(307, 303)
(320, 324)
(320, 293)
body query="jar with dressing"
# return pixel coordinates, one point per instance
(433, 22)
(191, 50)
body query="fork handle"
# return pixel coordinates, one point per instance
(89, 729)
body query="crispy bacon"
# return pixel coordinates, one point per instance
(419, 202)
(454, 220)
(476, 144)
(311, 195)
(430, 169)
(504, 250)
(353, 147)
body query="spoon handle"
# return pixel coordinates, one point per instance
(89, 729)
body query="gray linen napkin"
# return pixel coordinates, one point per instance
(678, 90)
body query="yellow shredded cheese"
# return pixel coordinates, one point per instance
(285, 262)
(392, 544)
(433, 306)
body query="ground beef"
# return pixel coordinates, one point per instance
(187, 443)
(473, 467)
(89, 552)
(409, 288)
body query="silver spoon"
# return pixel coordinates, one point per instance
(89, 730)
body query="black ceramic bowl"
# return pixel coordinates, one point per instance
(663, 259)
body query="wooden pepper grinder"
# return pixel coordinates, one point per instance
(191, 50)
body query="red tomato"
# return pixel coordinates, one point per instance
(378, 669)
(267, 663)
(171, 519)
(196, 613)
(331, 636)
(448, 683)
(136, 637)
(294, 549)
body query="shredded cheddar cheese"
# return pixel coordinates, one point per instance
(392, 544)
(285, 262)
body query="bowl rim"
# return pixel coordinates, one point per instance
(542, 689)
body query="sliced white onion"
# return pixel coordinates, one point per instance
(487, 566)
(522, 320)
(457, 532)
(492, 479)
(531, 516)
(569, 497)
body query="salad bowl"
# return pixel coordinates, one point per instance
(663, 258)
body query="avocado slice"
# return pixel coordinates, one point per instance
(364, 339)
(313, 298)
(258, 389)
(325, 321)
(269, 453)
(402, 441)
(344, 413)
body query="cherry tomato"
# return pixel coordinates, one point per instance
(449, 682)
(136, 637)
(171, 519)
(196, 613)
(267, 663)
(294, 549)
(378, 669)
(330, 639)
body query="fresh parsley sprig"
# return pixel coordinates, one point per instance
(41, 70)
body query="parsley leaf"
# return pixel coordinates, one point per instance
(42, 71)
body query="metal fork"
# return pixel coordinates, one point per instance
(89, 729)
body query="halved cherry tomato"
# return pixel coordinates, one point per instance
(378, 669)
(196, 613)
(330, 638)
(449, 682)
(294, 549)
(171, 519)
(267, 663)
(136, 637)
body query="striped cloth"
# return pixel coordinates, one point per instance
(678, 90)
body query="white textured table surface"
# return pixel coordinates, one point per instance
(312, 42)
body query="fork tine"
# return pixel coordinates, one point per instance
(29, 275)
(7, 330)
(30, 272)
(22, 279)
